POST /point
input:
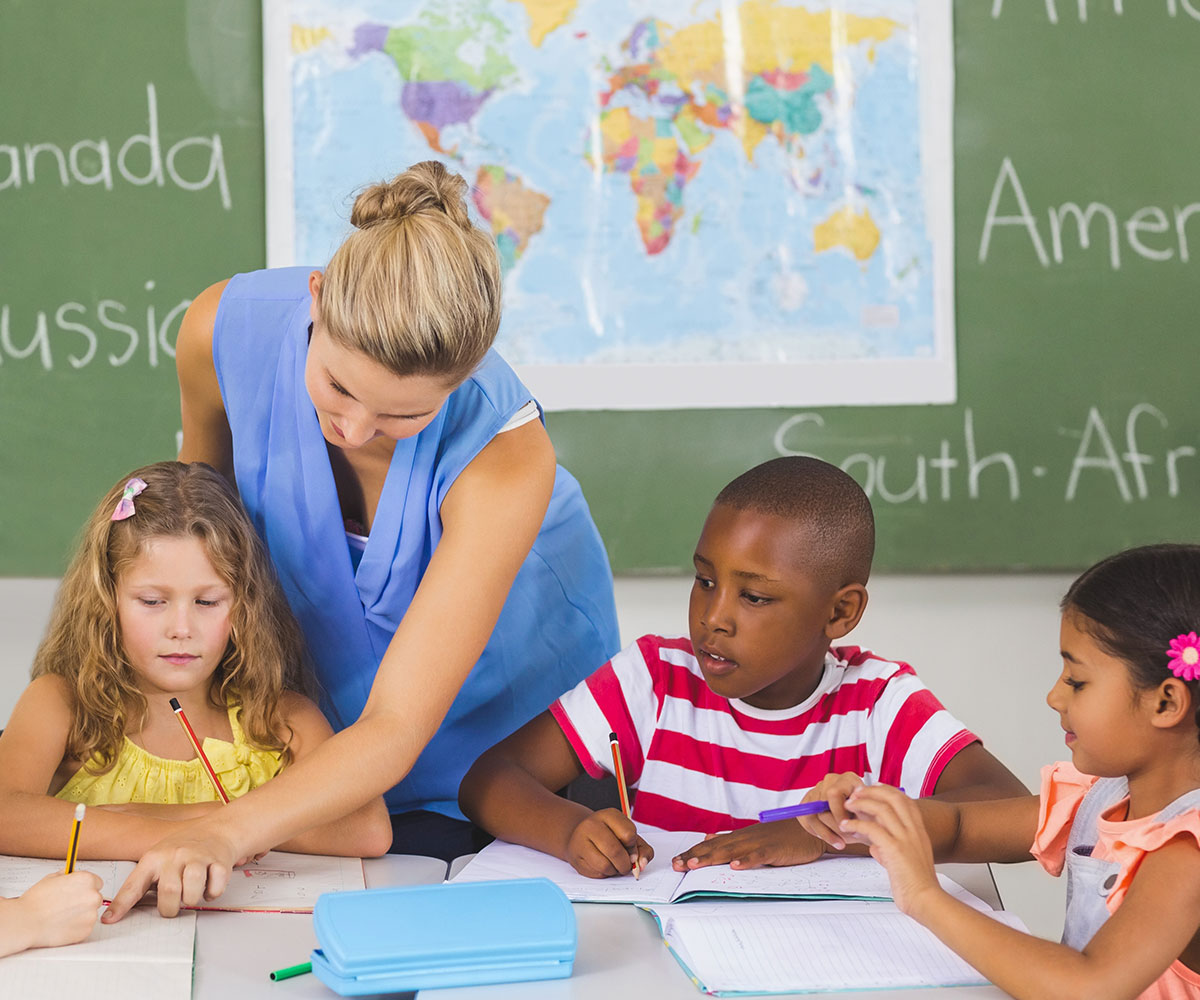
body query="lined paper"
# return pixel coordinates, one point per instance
(790, 947)
(142, 955)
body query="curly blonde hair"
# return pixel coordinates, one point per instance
(265, 654)
(417, 286)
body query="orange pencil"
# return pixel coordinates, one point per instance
(73, 846)
(187, 728)
(623, 790)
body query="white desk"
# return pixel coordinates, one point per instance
(620, 955)
(237, 952)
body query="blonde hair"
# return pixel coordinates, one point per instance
(83, 646)
(417, 287)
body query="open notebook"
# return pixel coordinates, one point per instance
(828, 878)
(790, 947)
(143, 955)
(277, 883)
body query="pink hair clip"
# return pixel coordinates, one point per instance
(1185, 656)
(125, 504)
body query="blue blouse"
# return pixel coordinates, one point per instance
(559, 621)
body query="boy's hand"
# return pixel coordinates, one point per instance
(826, 826)
(889, 821)
(782, 842)
(606, 843)
(61, 909)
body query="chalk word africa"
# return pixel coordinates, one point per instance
(1098, 462)
(139, 161)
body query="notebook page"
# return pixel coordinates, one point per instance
(142, 955)
(18, 874)
(857, 877)
(784, 952)
(500, 860)
(280, 882)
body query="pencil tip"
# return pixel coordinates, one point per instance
(175, 706)
(80, 809)
(612, 737)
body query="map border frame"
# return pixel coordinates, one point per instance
(708, 385)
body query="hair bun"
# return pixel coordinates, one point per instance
(424, 187)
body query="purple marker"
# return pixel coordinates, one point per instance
(791, 812)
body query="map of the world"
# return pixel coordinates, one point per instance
(674, 186)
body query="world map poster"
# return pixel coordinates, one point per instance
(696, 203)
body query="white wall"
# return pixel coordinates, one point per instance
(987, 645)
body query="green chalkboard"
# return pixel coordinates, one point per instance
(131, 176)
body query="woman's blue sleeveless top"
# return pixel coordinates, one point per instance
(559, 622)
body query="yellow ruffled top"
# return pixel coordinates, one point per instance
(140, 776)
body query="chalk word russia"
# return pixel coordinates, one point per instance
(75, 336)
(1098, 464)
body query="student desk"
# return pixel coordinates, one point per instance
(620, 952)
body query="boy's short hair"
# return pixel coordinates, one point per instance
(820, 498)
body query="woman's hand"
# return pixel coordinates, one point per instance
(606, 843)
(826, 826)
(189, 868)
(781, 842)
(889, 821)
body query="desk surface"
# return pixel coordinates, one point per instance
(620, 952)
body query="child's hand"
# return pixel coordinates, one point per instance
(834, 789)
(763, 844)
(889, 821)
(607, 843)
(61, 909)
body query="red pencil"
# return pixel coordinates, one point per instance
(623, 790)
(187, 728)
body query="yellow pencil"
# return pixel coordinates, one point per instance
(73, 847)
(623, 791)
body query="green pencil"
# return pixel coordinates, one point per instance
(291, 970)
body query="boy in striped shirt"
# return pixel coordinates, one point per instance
(748, 713)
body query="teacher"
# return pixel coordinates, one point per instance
(447, 575)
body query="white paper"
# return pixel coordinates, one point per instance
(280, 882)
(786, 947)
(141, 955)
(660, 883)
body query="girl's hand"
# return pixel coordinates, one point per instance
(606, 843)
(763, 844)
(826, 826)
(61, 909)
(189, 868)
(887, 820)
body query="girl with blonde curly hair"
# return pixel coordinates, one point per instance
(169, 597)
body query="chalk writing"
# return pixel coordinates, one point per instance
(79, 335)
(1121, 465)
(139, 161)
(1143, 226)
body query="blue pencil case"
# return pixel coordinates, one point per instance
(428, 936)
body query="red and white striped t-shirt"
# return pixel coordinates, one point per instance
(707, 763)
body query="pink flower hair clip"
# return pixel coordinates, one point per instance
(125, 504)
(1185, 656)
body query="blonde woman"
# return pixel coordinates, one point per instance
(170, 597)
(447, 576)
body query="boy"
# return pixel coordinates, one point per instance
(751, 712)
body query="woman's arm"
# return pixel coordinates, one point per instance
(491, 516)
(364, 833)
(1150, 929)
(35, 823)
(206, 433)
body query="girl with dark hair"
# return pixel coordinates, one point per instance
(1123, 817)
